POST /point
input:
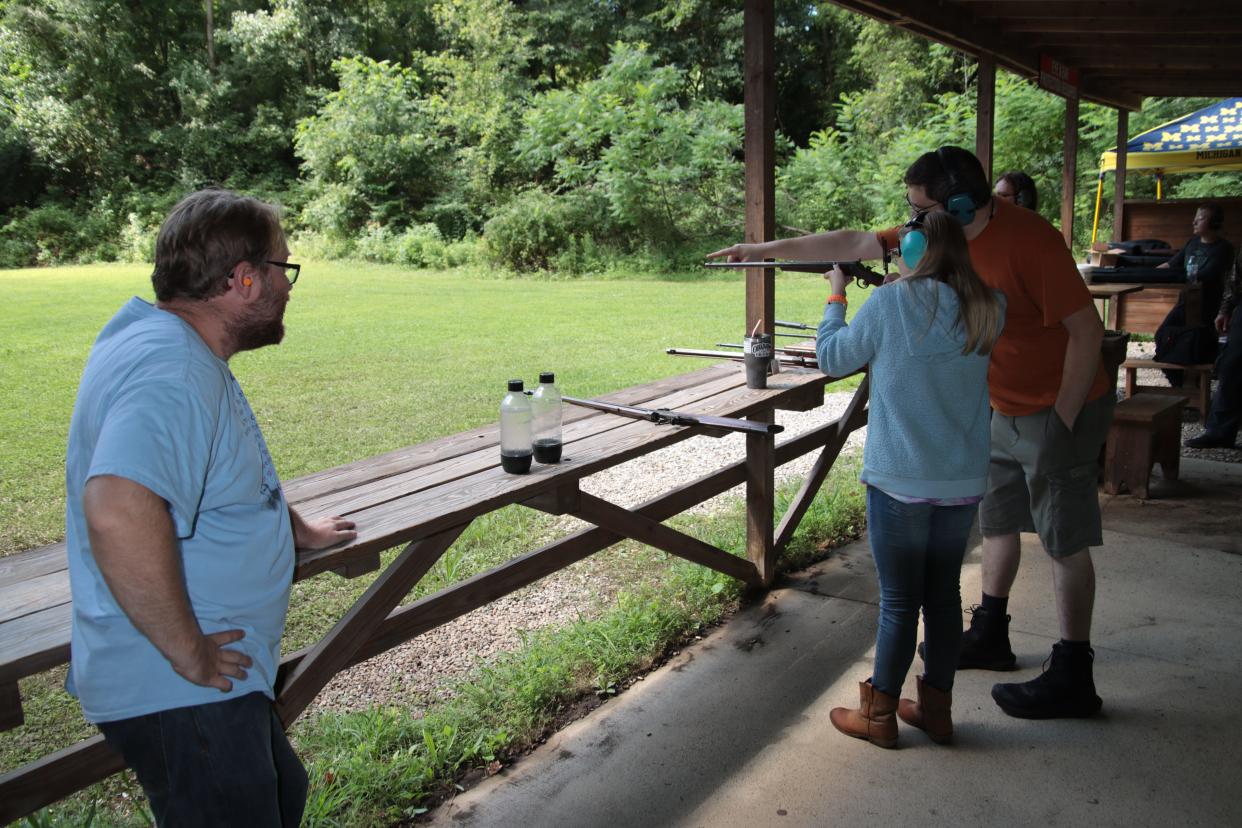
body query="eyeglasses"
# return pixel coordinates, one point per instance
(292, 271)
(918, 211)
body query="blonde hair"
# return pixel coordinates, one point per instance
(947, 259)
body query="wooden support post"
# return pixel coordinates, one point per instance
(985, 113)
(335, 650)
(855, 416)
(10, 706)
(1069, 173)
(1119, 176)
(759, 32)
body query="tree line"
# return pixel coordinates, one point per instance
(534, 134)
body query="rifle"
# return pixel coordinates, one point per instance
(860, 273)
(665, 416)
(786, 358)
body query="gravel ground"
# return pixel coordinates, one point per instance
(416, 671)
(413, 672)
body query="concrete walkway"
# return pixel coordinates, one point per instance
(735, 732)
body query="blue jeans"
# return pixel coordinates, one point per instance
(221, 764)
(918, 550)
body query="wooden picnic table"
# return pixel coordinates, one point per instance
(424, 496)
(1107, 296)
(1140, 308)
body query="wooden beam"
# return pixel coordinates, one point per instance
(1119, 178)
(335, 650)
(1195, 24)
(759, 32)
(985, 109)
(1089, 11)
(1069, 173)
(629, 524)
(855, 417)
(31, 787)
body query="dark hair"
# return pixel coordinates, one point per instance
(1216, 215)
(205, 236)
(1024, 192)
(948, 171)
(948, 260)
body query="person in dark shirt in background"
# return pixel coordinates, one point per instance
(1221, 422)
(1206, 258)
(1018, 188)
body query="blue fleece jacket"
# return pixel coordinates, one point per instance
(928, 424)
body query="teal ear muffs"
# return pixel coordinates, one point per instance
(912, 241)
(959, 204)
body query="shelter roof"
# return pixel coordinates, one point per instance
(1122, 50)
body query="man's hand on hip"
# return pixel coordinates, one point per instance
(209, 664)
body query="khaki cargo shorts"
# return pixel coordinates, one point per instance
(1043, 477)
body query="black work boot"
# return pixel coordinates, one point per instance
(1065, 690)
(985, 645)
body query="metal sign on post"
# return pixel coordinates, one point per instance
(1058, 78)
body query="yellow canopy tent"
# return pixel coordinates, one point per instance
(1209, 139)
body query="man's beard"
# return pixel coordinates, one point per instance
(263, 324)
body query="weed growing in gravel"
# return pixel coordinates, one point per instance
(388, 765)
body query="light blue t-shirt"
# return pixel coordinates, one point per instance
(158, 407)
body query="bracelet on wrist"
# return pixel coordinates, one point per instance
(838, 298)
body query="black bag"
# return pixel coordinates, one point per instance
(1183, 344)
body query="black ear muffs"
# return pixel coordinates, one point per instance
(1023, 199)
(959, 204)
(1215, 219)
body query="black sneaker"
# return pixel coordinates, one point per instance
(985, 645)
(1065, 690)
(1207, 441)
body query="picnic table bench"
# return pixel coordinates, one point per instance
(424, 496)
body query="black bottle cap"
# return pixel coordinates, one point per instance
(547, 378)
(516, 385)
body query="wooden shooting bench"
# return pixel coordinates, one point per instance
(423, 497)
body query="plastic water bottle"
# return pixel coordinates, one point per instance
(515, 431)
(546, 404)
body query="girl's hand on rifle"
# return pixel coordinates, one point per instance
(837, 280)
(740, 253)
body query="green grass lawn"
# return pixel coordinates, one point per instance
(374, 358)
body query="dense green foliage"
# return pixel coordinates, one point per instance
(546, 134)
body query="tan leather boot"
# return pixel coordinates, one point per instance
(873, 720)
(932, 713)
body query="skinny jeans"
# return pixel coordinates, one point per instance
(1226, 409)
(918, 550)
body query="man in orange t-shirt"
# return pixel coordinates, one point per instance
(1052, 406)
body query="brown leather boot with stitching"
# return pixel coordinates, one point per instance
(873, 720)
(932, 713)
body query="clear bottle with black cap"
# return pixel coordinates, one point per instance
(546, 405)
(515, 430)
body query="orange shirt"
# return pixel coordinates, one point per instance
(1025, 257)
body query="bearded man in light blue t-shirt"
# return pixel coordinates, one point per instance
(181, 544)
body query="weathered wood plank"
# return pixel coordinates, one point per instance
(360, 472)
(34, 642)
(31, 787)
(334, 650)
(31, 563)
(413, 480)
(34, 594)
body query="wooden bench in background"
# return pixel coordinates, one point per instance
(1196, 388)
(1146, 429)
